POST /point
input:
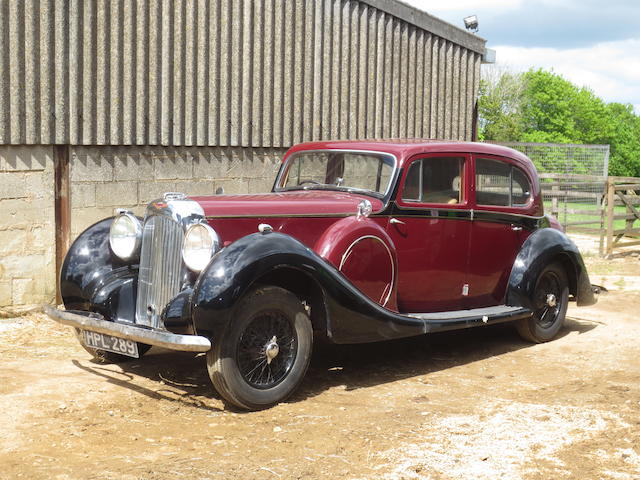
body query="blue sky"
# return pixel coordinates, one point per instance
(592, 43)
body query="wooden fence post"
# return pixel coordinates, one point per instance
(555, 190)
(61, 208)
(611, 201)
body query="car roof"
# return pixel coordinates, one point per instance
(404, 149)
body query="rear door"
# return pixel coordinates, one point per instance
(501, 223)
(431, 230)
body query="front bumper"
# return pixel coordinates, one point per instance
(95, 322)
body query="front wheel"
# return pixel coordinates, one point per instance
(550, 301)
(264, 353)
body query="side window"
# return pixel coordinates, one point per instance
(500, 184)
(521, 190)
(434, 180)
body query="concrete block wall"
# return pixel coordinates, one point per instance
(27, 225)
(103, 177)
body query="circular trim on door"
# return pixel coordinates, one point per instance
(349, 250)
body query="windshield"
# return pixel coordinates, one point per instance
(334, 170)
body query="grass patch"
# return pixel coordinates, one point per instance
(564, 217)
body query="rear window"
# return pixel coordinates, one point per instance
(501, 184)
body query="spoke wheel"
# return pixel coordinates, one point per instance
(549, 302)
(548, 291)
(267, 350)
(264, 352)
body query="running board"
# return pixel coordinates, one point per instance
(457, 319)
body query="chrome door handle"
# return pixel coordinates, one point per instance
(516, 228)
(395, 221)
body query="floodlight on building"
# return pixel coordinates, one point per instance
(471, 23)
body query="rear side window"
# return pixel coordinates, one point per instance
(501, 184)
(434, 180)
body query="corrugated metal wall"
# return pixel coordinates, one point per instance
(229, 73)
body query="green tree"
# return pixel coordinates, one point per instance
(543, 107)
(500, 107)
(624, 139)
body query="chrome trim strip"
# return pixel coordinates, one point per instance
(288, 215)
(346, 253)
(97, 323)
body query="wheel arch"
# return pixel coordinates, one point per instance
(303, 286)
(543, 247)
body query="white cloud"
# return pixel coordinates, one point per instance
(463, 5)
(611, 69)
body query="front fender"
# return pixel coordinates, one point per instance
(352, 317)
(89, 267)
(541, 248)
(376, 269)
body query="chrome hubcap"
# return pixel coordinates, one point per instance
(271, 350)
(551, 300)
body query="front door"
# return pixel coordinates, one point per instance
(431, 228)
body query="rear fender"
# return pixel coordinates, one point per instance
(541, 248)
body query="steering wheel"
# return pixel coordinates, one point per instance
(309, 181)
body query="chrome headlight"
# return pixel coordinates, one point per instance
(125, 236)
(200, 243)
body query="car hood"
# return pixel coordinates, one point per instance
(283, 204)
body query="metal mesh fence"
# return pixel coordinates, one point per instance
(565, 158)
(572, 178)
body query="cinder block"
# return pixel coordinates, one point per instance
(94, 167)
(259, 167)
(23, 213)
(26, 158)
(116, 194)
(173, 166)
(232, 186)
(194, 187)
(148, 191)
(6, 296)
(23, 292)
(216, 167)
(133, 166)
(260, 185)
(83, 195)
(12, 185)
(81, 218)
(41, 238)
(40, 186)
(26, 265)
(12, 241)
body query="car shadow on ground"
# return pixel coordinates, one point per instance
(183, 377)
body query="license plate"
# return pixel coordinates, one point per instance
(102, 341)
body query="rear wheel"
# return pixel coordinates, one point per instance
(264, 353)
(550, 301)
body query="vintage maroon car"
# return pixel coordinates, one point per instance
(359, 241)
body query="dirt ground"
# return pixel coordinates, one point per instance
(476, 404)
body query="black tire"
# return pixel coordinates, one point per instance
(266, 319)
(548, 312)
(102, 356)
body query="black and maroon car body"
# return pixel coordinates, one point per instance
(359, 241)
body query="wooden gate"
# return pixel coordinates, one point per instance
(624, 193)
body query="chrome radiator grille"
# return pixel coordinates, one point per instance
(160, 268)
